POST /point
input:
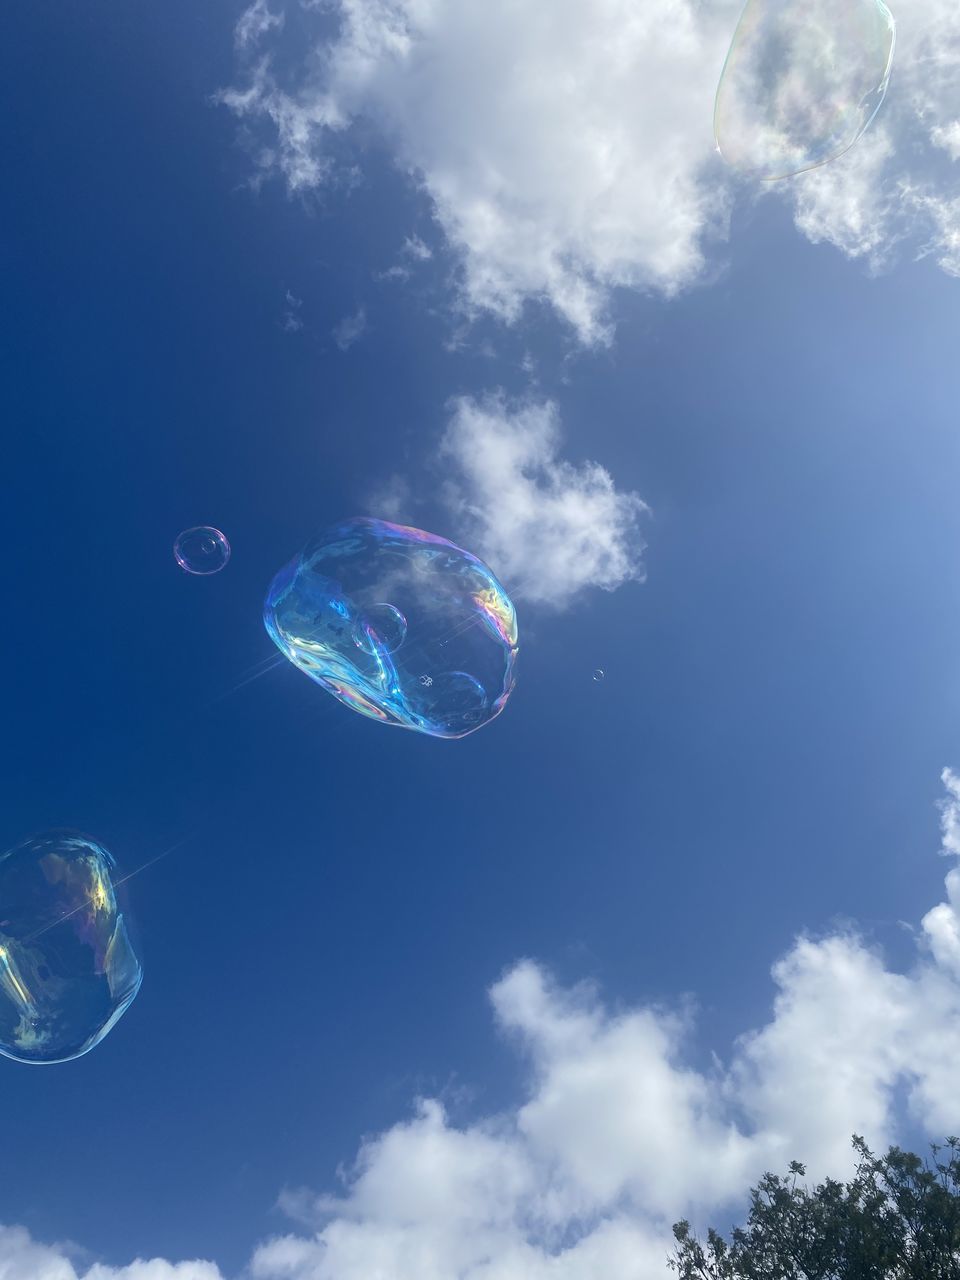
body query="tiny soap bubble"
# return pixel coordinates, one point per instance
(202, 550)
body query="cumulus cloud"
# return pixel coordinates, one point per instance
(563, 145)
(567, 148)
(617, 1133)
(547, 527)
(22, 1258)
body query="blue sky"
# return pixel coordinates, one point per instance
(773, 376)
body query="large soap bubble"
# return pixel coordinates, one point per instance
(802, 80)
(67, 966)
(399, 624)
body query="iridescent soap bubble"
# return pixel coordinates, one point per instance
(598, 675)
(202, 550)
(401, 625)
(802, 80)
(67, 967)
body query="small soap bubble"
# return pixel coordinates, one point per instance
(382, 627)
(801, 83)
(202, 550)
(598, 674)
(456, 699)
(67, 967)
(369, 608)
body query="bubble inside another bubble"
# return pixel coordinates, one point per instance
(67, 967)
(381, 627)
(202, 550)
(801, 82)
(401, 625)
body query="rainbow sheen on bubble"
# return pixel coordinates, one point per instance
(202, 550)
(398, 624)
(67, 967)
(801, 83)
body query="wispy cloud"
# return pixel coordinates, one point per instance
(350, 329)
(291, 321)
(417, 249)
(254, 23)
(392, 500)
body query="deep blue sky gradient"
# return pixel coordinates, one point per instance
(761, 758)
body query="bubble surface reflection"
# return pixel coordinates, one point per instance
(801, 82)
(401, 625)
(67, 967)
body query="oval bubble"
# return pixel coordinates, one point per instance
(801, 83)
(391, 620)
(456, 699)
(202, 550)
(68, 969)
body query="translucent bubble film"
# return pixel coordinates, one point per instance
(67, 966)
(398, 624)
(801, 82)
(202, 550)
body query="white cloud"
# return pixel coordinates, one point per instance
(291, 321)
(417, 249)
(567, 148)
(562, 144)
(413, 252)
(22, 1258)
(350, 329)
(155, 1269)
(297, 126)
(948, 138)
(846, 203)
(895, 186)
(254, 23)
(950, 814)
(548, 528)
(392, 500)
(618, 1134)
(944, 241)
(941, 925)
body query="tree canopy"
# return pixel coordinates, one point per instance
(898, 1218)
